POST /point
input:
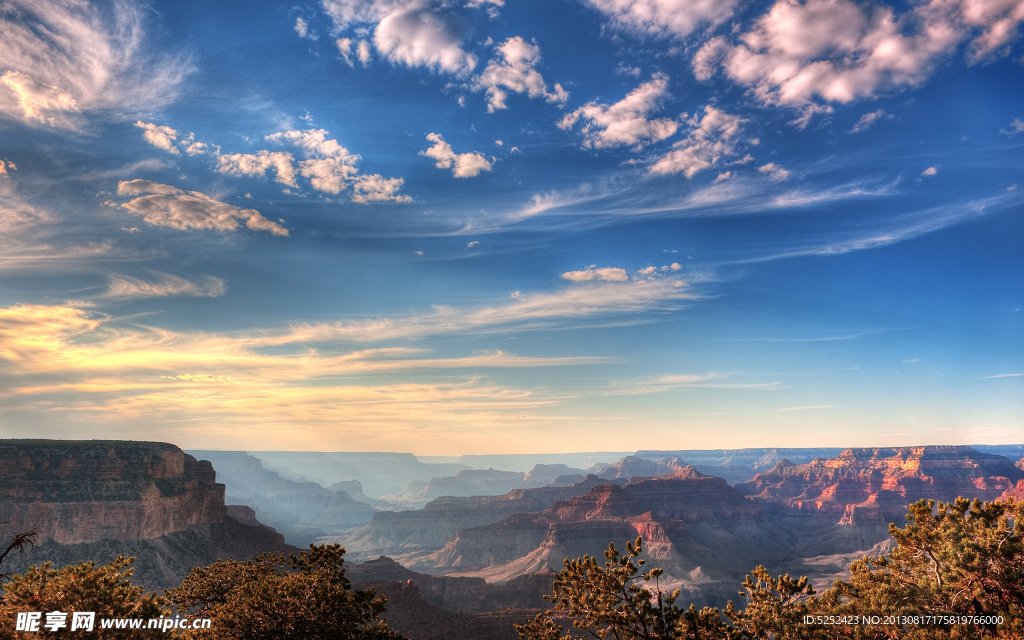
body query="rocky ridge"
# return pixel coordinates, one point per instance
(875, 486)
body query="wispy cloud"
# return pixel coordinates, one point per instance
(91, 366)
(814, 407)
(163, 285)
(525, 312)
(64, 59)
(711, 380)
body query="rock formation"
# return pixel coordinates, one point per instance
(874, 486)
(85, 491)
(399, 534)
(94, 500)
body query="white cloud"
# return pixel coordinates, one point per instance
(774, 171)
(331, 168)
(999, 21)
(421, 34)
(39, 103)
(662, 18)
(257, 164)
(1016, 126)
(470, 245)
(607, 274)
(345, 49)
(166, 206)
(869, 119)
(363, 52)
(839, 51)
(711, 138)
(345, 13)
(417, 33)
(60, 59)
(930, 171)
(513, 68)
(194, 147)
(374, 188)
(625, 122)
(164, 285)
(159, 136)
(302, 28)
(463, 165)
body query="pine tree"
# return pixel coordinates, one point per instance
(304, 597)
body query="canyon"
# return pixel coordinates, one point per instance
(93, 500)
(811, 518)
(477, 541)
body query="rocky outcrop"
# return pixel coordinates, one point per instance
(95, 500)
(874, 486)
(77, 492)
(635, 467)
(701, 531)
(401, 533)
(302, 511)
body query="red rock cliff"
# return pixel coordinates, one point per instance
(863, 486)
(91, 490)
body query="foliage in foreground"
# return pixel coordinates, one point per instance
(303, 597)
(105, 590)
(955, 568)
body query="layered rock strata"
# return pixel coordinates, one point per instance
(76, 492)
(874, 486)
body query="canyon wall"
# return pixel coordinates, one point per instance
(85, 491)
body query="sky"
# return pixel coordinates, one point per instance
(512, 226)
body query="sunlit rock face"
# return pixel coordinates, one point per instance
(865, 486)
(87, 491)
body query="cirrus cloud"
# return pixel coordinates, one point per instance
(60, 59)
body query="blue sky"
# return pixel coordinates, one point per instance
(467, 227)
